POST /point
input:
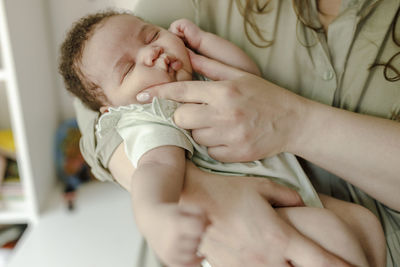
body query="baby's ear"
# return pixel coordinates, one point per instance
(104, 109)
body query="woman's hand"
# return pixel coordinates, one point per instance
(240, 117)
(245, 230)
(243, 117)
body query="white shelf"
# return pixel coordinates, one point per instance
(2, 75)
(28, 101)
(14, 211)
(14, 217)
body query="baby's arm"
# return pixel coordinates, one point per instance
(173, 231)
(213, 46)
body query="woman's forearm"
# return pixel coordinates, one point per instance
(363, 150)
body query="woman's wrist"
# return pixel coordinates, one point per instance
(305, 122)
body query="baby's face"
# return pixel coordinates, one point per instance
(125, 55)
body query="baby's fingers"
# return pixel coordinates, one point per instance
(193, 222)
(177, 29)
(187, 31)
(182, 25)
(192, 225)
(188, 261)
(188, 253)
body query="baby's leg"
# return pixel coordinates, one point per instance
(344, 229)
(364, 224)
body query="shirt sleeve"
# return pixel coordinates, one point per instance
(143, 137)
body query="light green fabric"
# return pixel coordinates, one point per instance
(332, 69)
(145, 127)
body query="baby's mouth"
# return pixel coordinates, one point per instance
(169, 63)
(174, 68)
(175, 64)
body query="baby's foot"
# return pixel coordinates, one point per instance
(178, 235)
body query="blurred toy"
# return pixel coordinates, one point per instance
(71, 167)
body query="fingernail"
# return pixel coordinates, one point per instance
(143, 97)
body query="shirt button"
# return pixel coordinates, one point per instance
(328, 75)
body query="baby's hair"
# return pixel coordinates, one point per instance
(71, 55)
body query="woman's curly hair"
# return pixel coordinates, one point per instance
(71, 54)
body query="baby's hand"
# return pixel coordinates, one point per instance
(189, 32)
(179, 235)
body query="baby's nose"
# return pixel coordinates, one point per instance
(151, 55)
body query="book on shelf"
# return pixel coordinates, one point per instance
(7, 144)
(3, 166)
(11, 195)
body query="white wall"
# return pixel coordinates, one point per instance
(62, 14)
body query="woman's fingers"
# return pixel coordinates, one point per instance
(193, 91)
(192, 116)
(307, 253)
(186, 91)
(218, 151)
(205, 136)
(213, 69)
(279, 196)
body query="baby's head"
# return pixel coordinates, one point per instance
(108, 58)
